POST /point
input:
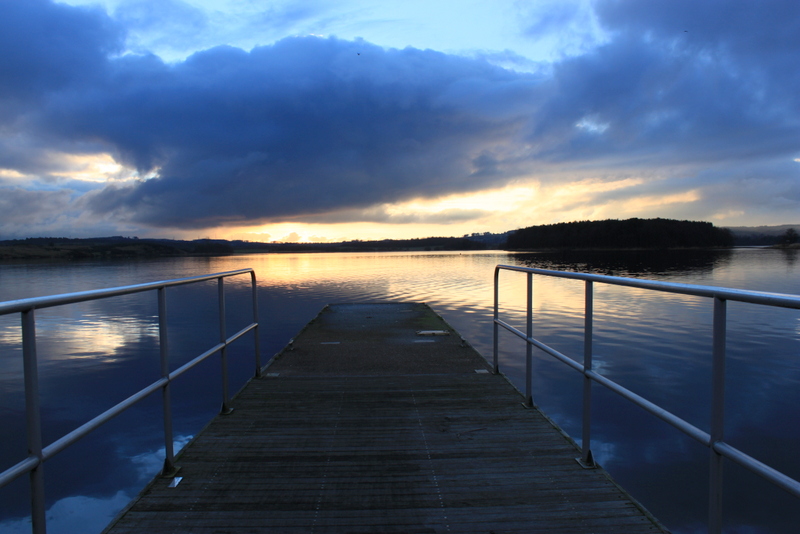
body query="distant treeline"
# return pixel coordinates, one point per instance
(468, 242)
(609, 234)
(62, 248)
(784, 235)
(613, 233)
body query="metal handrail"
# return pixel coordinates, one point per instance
(37, 452)
(719, 449)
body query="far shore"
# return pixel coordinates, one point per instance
(62, 253)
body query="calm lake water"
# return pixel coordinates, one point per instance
(93, 355)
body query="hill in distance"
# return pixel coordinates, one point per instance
(621, 234)
(630, 233)
(118, 247)
(761, 235)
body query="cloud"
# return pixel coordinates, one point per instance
(20, 206)
(50, 46)
(323, 129)
(508, 59)
(148, 464)
(294, 237)
(51, 211)
(385, 214)
(88, 514)
(656, 108)
(305, 126)
(167, 24)
(317, 239)
(176, 29)
(74, 514)
(566, 27)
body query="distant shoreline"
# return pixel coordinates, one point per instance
(124, 247)
(88, 252)
(612, 234)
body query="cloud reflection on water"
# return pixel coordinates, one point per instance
(83, 514)
(656, 344)
(73, 515)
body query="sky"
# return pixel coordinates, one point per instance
(322, 120)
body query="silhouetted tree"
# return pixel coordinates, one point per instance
(613, 233)
(789, 237)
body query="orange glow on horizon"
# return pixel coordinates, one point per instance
(504, 209)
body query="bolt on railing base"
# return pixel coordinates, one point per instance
(170, 470)
(588, 463)
(225, 410)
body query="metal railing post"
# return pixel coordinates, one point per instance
(33, 421)
(33, 464)
(496, 317)
(223, 338)
(529, 349)
(717, 416)
(587, 460)
(255, 321)
(169, 453)
(719, 449)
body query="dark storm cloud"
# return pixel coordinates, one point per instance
(762, 32)
(305, 126)
(19, 206)
(725, 89)
(325, 128)
(48, 46)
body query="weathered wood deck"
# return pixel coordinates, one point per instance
(365, 426)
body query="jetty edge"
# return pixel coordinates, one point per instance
(380, 417)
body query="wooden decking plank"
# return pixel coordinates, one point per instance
(382, 434)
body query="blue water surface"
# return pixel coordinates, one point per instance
(95, 354)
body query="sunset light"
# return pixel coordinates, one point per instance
(341, 250)
(359, 120)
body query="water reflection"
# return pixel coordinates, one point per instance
(90, 339)
(656, 344)
(631, 263)
(659, 345)
(82, 513)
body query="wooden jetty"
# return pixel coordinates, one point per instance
(380, 418)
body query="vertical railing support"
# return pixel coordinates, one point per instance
(223, 338)
(255, 321)
(169, 453)
(33, 421)
(587, 460)
(496, 317)
(33, 465)
(529, 346)
(717, 416)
